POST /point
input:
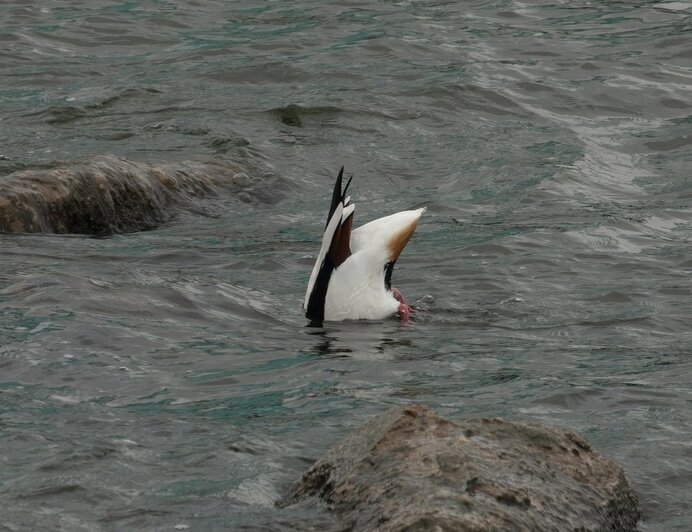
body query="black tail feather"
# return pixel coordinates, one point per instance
(343, 194)
(336, 195)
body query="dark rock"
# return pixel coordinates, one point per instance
(108, 195)
(292, 115)
(409, 469)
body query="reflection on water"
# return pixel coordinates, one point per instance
(359, 339)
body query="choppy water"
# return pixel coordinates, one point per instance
(166, 378)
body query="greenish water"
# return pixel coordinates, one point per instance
(166, 378)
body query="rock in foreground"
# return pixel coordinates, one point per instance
(410, 469)
(107, 195)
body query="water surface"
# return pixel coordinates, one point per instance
(167, 378)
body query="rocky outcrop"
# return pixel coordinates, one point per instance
(108, 195)
(410, 469)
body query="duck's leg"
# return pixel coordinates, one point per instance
(405, 309)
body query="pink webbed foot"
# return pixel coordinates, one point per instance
(405, 309)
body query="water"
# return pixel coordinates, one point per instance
(166, 380)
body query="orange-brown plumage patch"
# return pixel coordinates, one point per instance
(399, 241)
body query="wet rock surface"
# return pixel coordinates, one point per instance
(410, 469)
(110, 195)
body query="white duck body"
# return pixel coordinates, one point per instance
(350, 279)
(356, 292)
(357, 288)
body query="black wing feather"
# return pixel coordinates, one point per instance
(338, 252)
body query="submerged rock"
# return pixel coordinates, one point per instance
(410, 469)
(292, 115)
(107, 195)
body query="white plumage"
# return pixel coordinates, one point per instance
(357, 288)
(351, 276)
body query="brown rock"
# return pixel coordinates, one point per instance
(108, 195)
(410, 469)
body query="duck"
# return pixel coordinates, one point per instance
(352, 276)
